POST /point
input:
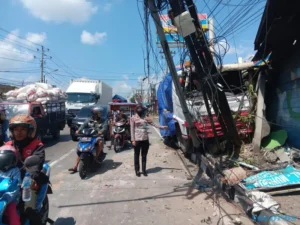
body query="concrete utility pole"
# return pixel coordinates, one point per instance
(42, 65)
(169, 59)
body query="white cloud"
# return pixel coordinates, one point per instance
(36, 38)
(122, 88)
(93, 39)
(13, 49)
(74, 11)
(243, 50)
(125, 77)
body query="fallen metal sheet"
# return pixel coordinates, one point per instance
(273, 179)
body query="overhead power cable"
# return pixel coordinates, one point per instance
(17, 60)
(19, 37)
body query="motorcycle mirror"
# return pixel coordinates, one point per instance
(31, 161)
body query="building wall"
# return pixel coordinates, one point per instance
(285, 100)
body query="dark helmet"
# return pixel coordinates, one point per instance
(8, 157)
(96, 110)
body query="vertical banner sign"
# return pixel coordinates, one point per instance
(174, 39)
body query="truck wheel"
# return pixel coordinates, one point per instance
(56, 134)
(72, 133)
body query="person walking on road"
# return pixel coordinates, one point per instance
(139, 137)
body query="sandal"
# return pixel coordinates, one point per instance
(72, 170)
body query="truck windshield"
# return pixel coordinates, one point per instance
(81, 98)
(84, 112)
(12, 110)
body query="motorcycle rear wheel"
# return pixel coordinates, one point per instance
(83, 169)
(117, 145)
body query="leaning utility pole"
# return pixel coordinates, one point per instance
(189, 27)
(154, 12)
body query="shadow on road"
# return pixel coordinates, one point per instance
(158, 169)
(65, 221)
(106, 165)
(177, 192)
(49, 141)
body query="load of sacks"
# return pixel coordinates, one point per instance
(38, 92)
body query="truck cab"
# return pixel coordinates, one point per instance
(75, 101)
(84, 92)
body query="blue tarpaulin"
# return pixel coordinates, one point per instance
(165, 106)
(273, 179)
(119, 98)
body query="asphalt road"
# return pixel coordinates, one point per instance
(114, 195)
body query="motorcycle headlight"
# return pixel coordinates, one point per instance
(87, 148)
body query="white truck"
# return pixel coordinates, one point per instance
(83, 92)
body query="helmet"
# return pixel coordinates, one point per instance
(96, 110)
(8, 157)
(23, 120)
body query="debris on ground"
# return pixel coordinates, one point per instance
(265, 180)
(234, 175)
(207, 220)
(275, 139)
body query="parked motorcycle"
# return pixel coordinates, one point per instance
(86, 150)
(120, 135)
(11, 185)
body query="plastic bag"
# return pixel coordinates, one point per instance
(43, 86)
(25, 89)
(41, 93)
(11, 99)
(32, 97)
(22, 96)
(44, 99)
(31, 91)
(53, 92)
(57, 90)
(12, 93)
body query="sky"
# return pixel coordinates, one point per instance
(102, 39)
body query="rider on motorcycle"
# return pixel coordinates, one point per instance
(23, 131)
(98, 123)
(121, 117)
(9, 169)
